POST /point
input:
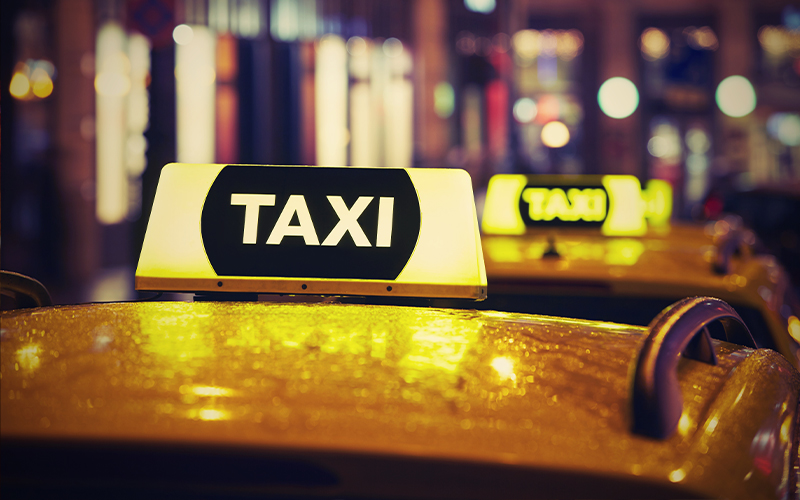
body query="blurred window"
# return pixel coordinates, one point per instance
(677, 104)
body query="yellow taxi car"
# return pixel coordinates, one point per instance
(284, 398)
(583, 247)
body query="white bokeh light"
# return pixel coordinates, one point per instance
(736, 96)
(183, 34)
(525, 110)
(618, 97)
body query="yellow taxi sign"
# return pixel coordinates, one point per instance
(657, 196)
(313, 230)
(613, 203)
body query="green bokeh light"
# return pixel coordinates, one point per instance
(443, 99)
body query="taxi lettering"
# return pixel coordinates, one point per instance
(589, 204)
(296, 205)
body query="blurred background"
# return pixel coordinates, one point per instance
(98, 95)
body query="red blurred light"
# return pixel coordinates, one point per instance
(548, 109)
(712, 207)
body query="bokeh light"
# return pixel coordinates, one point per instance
(771, 40)
(569, 44)
(697, 141)
(665, 142)
(564, 44)
(696, 164)
(183, 34)
(392, 47)
(779, 40)
(791, 17)
(42, 83)
(618, 97)
(501, 43)
(654, 44)
(465, 43)
(735, 96)
(113, 65)
(659, 146)
(526, 44)
(111, 83)
(443, 99)
(794, 327)
(789, 130)
(785, 127)
(195, 91)
(356, 46)
(548, 108)
(482, 6)
(504, 367)
(525, 110)
(32, 79)
(555, 135)
(548, 43)
(702, 38)
(20, 86)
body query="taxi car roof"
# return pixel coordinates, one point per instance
(718, 259)
(482, 387)
(679, 259)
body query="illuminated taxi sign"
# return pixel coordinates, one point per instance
(318, 230)
(613, 203)
(545, 204)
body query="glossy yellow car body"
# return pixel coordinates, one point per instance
(576, 266)
(377, 401)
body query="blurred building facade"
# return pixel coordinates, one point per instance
(98, 95)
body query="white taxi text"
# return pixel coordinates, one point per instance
(589, 204)
(296, 204)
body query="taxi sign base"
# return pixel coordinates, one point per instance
(309, 287)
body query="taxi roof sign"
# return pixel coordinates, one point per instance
(313, 230)
(615, 204)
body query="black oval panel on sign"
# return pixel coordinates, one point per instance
(385, 195)
(560, 191)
